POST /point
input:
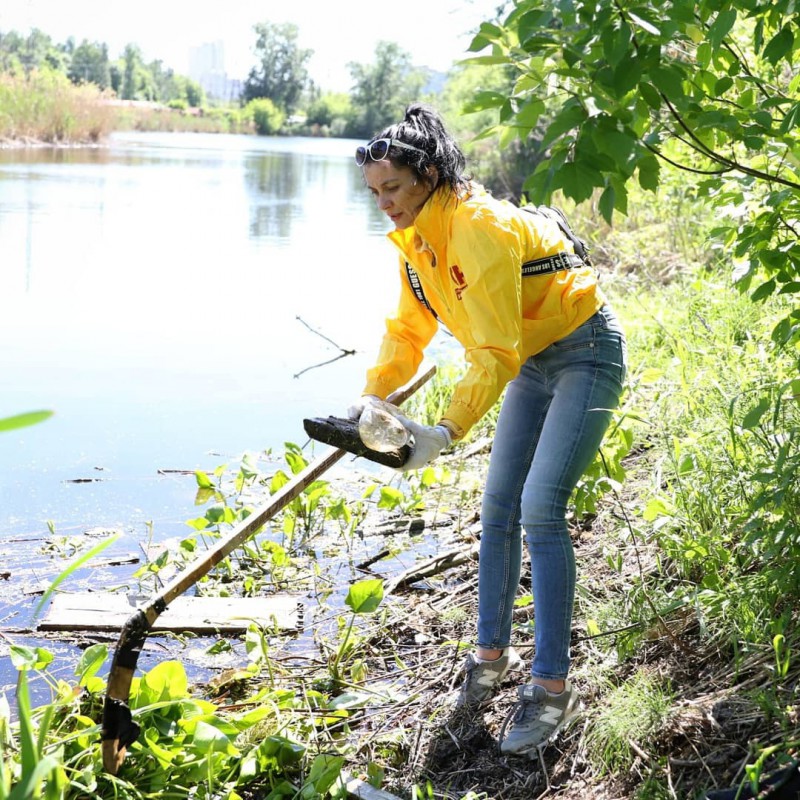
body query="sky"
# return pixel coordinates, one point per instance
(435, 32)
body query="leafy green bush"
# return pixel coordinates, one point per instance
(330, 112)
(266, 116)
(621, 95)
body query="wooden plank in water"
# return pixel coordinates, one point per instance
(109, 611)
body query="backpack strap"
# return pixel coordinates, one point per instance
(539, 266)
(416, 287)
(578, 245)
(554, 263)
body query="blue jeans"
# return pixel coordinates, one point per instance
(552, 421)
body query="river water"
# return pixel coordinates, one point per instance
(150, 294)
(162, 296)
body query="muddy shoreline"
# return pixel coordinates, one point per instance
(428, 562)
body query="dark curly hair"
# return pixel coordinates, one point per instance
(423, 128)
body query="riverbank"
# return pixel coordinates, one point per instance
(46, 109)
(29, 142)
(680, 652)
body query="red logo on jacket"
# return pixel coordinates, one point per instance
(458, 279)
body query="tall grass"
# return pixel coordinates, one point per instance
(704, 532)
(724, 497)
(632, 713)
(45, 106)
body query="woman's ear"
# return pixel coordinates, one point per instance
(432, 177)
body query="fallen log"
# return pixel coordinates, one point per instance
(343, 434)
(433, 566)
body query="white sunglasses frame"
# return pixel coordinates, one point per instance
(367, 148)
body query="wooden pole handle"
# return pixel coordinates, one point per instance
(119, 729)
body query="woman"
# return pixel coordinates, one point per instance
(546, 335)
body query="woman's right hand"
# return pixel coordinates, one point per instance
(357, 409)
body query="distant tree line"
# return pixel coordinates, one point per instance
(379, 91)
(279, 95)
(129, 76)
(278, 84)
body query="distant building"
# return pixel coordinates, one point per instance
(207, 67)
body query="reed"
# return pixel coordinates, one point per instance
(45, 107)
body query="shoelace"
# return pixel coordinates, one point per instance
(521, 711)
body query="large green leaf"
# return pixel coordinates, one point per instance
(721, 27)
(210, 739)
(669, 80)
(650, 95)
(165, 681)
(606, 204)
(648, 172)
(92, 658)
(620, 145)
(571, 116)
(484, 100)
(578, 180)
(325, 769)
(779, 45)
(365, 596)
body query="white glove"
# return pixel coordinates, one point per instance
(428, 443)
(357, 409)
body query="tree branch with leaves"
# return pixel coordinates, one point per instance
(616, 92)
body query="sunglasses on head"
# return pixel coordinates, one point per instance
(378, 149)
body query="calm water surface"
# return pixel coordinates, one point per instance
(150, 296)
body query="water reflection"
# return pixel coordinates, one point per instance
(55, 155)
(273, 181)
(150, 296)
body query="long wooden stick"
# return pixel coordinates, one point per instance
(119, 729)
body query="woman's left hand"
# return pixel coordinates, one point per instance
(428, 443)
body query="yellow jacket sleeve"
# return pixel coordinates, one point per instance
(408, 332)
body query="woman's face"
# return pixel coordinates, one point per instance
(398, 192)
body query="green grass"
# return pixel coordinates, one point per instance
(630, 715)
(719, 417)
(703, 531)
(46, 107)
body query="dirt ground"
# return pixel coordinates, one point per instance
(717, 722)
(707, 739)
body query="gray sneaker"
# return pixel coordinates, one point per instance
(537, 717)
(481, 677)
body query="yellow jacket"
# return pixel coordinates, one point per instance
(468, 253)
